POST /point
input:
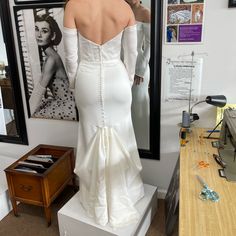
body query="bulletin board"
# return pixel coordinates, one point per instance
(184, 21)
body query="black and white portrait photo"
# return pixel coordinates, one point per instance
(39, 31)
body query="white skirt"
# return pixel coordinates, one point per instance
(107, 160)
(141, 111)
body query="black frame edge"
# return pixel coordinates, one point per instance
(12, 63)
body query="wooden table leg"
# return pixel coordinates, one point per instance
(14, 206)
(47, 211)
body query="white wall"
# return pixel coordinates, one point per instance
(146, 3)
(3, 56)
(219, 72)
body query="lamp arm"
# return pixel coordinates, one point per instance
(191, 109)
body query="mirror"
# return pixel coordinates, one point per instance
(12, 121)
(146, 88)
(140, 94)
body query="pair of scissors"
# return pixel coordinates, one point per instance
(207, 193)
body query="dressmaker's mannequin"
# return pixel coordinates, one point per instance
(107, 160)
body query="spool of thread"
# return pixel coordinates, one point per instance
(185, 119)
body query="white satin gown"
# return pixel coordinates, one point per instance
(107, 160)
(141, 99)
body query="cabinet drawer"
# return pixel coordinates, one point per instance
(28, 188)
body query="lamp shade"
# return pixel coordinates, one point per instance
(216, 100)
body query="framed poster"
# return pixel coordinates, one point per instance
(35, 1)
(39, 32)
(184, 21)
(232, 3)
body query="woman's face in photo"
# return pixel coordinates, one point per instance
(43, 33)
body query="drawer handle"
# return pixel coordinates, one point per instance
(26, 188)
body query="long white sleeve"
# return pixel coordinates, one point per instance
(129, 44)
(144, 52)
(70, 37)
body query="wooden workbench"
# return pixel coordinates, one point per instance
(197, 217)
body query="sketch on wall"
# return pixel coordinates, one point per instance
(39, 32)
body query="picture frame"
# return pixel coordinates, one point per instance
(18, 134)
(55, 100)
(153, 151)
(35, 1)
(232, 3)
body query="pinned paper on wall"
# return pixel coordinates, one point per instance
(184, 21)
(3, 130)
(181, 77)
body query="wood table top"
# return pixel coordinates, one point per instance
(198, 217)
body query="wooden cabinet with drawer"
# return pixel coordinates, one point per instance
(40, 179)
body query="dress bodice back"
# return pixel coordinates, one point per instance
(79, 49)
(92, 52)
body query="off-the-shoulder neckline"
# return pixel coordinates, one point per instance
(97, 44)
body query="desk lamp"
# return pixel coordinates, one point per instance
(189, 117)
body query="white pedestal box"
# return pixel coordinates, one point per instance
(73, 221)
